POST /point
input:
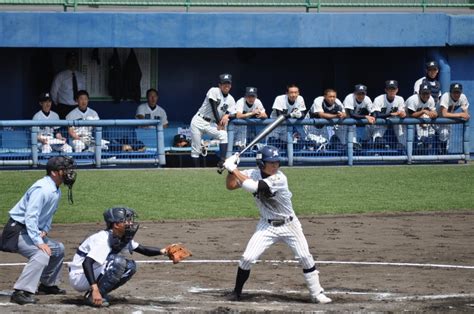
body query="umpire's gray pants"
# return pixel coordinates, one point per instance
(40, 266)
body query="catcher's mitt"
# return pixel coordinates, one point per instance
(177, 252)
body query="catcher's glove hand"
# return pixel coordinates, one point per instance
(177, 252)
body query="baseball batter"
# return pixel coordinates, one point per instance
(385, 106)
(451, 102)
(98, 267)
(212, 118)
(49, 138)
(247, 107)
(278, 221)
(290, 104)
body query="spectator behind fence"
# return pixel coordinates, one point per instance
(385, 106)
(324, 107)
(247, 107)
(450, 103)
(212, 118)
(290, 104)
(357, 106)
(151, 110)
(49, 137)
(422, 105)
(65, 86)
(431, 79)
(82, 137)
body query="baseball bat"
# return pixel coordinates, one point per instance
(260, 135)
(263, 133)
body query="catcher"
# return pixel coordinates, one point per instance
(98, 267)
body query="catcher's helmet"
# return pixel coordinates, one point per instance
(119, 214)
(267, 153)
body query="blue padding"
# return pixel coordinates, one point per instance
(15, 139)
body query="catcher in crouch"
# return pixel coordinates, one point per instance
(98, 267)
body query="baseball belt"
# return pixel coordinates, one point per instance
(279, 222)
(205, 118)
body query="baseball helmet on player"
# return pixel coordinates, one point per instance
(267, 154)
(119, 214)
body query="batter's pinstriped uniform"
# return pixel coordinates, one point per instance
(277, 207)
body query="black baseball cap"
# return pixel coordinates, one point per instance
(391, 84)
(432, 65)
(455, 87)
(225, 78)
(44, 96)
(251, 91)
(359, 88)
(424, 88)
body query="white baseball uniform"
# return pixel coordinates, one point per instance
(451, 106)
(351, 103)
(47, 134)
(155, 113)
(434, 86)
(281, 103)
(85, 133)
(414, 103)
(97, 247)
(279, 209)
(322, 135)
(382, 105)
(240, 131)
(204, 121)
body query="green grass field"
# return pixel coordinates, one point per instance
(199, 194)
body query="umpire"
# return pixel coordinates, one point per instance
(26, 232)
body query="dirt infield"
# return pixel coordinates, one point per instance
(377, 262)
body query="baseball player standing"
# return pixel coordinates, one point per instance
(290, 104)
(278, 221)
(98, 267)
(212, 118)
(357, 106)
(431, 79)
(247, 107)
(385, 106)
(448, 105)
(422, 105)
(324, 107)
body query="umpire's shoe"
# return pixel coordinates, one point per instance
(22, 297)
(43, 289)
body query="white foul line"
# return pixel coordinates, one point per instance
(226, 261)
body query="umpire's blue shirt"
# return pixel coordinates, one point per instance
(37, 207)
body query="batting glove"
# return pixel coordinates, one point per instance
(231, 163)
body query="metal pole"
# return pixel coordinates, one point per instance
(98, 146)
(230, 139)
(289, 146)
(160, 138)
(34, 145)
(466, 143)
(410, 136)
(350, 144)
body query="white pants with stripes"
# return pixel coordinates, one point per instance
(199, 127)
(291, 233)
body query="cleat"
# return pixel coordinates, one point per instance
(22, 297)
(233, 297)
(43, 289)
(321, 298)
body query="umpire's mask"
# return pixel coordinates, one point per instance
(69, 174)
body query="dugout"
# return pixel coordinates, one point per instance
(267, 50)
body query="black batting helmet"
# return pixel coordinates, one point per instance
(119, 214)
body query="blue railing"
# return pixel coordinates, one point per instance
(19, 142)
(296, 150)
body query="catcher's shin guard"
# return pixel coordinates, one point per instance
(118, 271)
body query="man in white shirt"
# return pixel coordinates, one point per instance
(65, 86)
(151, 110)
